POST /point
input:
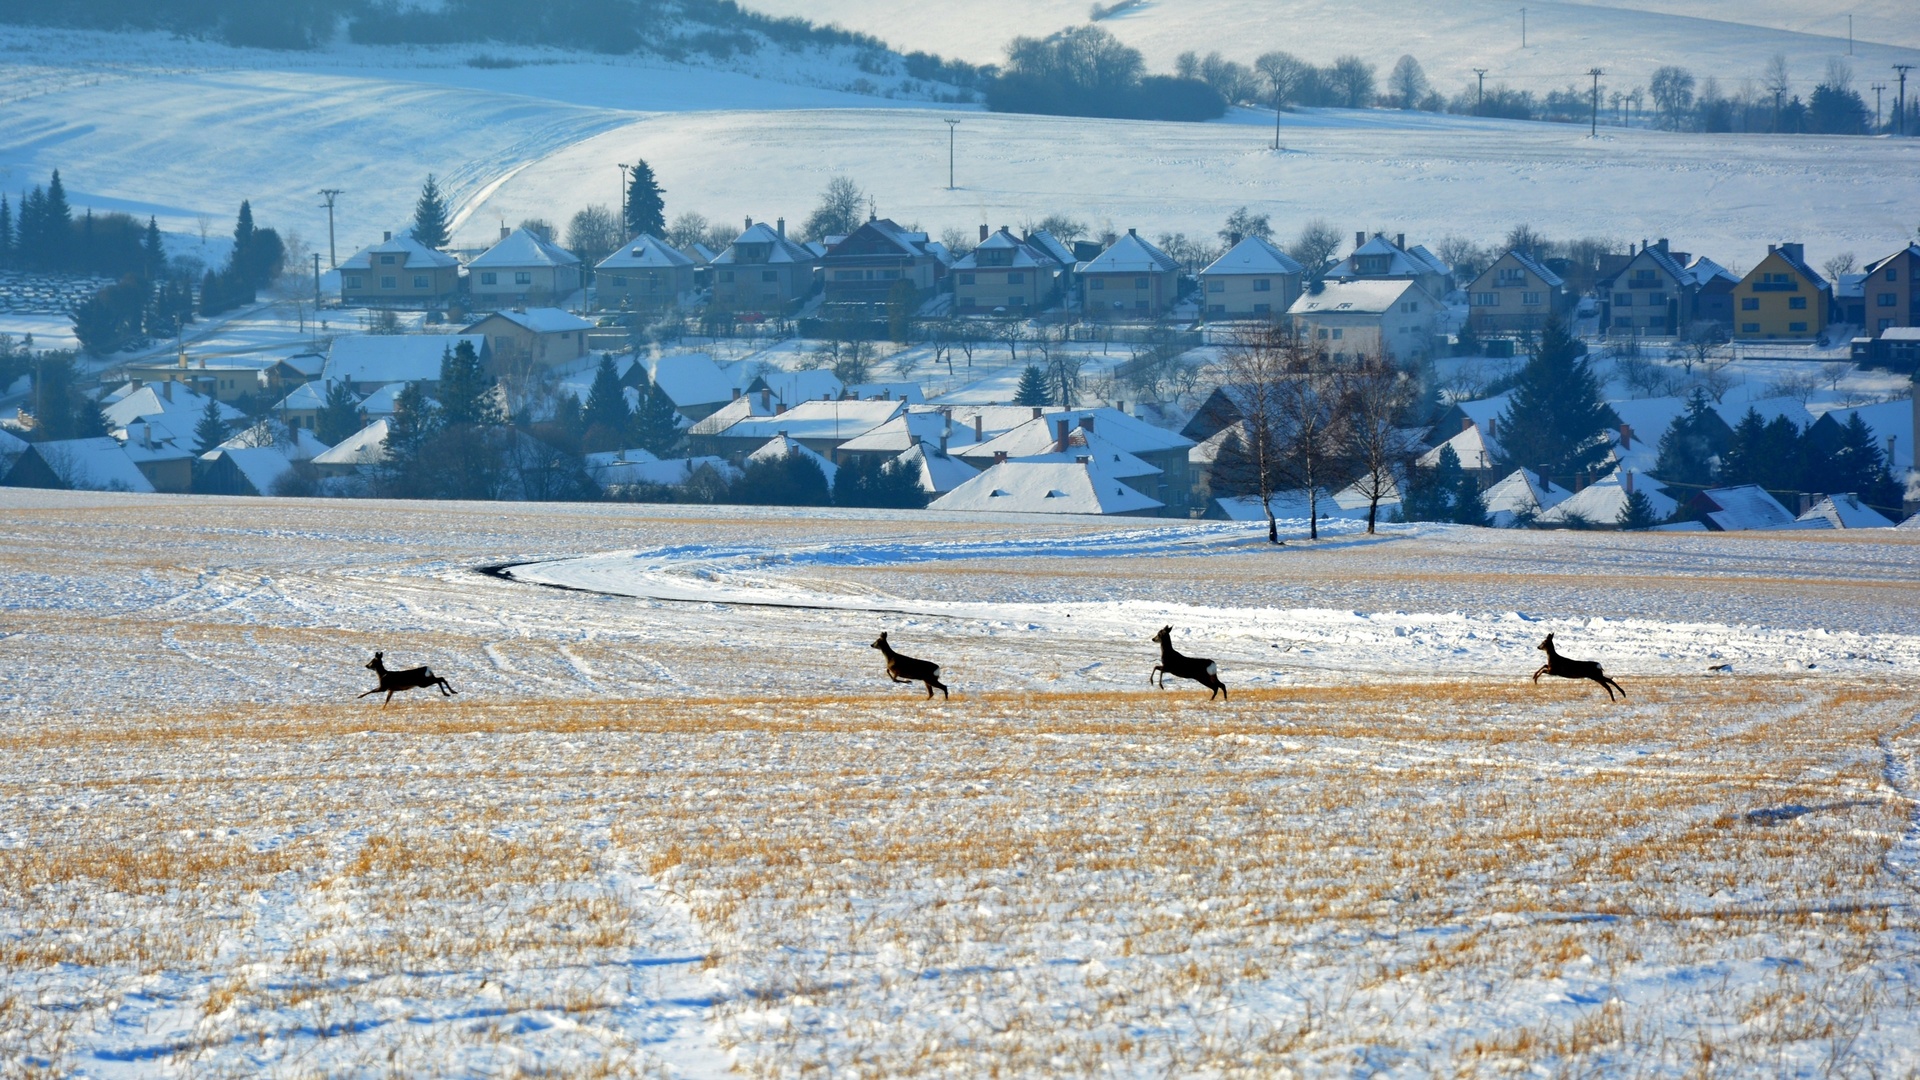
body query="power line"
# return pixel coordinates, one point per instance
(1481, 101)
(1593, 125)
(333, 258)
(1900, 102)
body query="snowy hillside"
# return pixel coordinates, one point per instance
(1728, 38)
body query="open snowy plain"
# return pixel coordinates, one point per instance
(681, 824)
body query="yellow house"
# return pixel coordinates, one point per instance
(1782, 297)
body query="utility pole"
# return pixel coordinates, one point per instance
(951, 126)
(1849, 34)
(621, 202)
(1900, 101)
(333, 257)
(1480, 103)
(1593, 124)
(1523, 28)
(316, 285)
(1877, 88)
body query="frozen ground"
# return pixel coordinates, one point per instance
(690, 827)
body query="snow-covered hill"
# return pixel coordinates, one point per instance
(1731, 39)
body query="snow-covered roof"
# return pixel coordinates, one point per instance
(1536, 268)
(292, 443)
(795, 387)
(538, 320)
(368, 446)
(381, 401)
(1368, 296)
(1600, 502)
(1887, 420)
(646, 252)
(1521, 496)
(1131, 255)
(1252, 256)
(889, 391)
(1704, 270)
(833, 421)
(1049, 245)
(610, 470)
(780, 249)
(263, 466)
(783, 446)
(899, 434)
(311, 395)
(1044, 487)
(938, 473)
(905, 241)
(1911, 523)
(523, 247)
(690, 379)
(11, 443)
(393, 358)
(1745, 508)
(1401, 262)
(1113, 429)
(1845, 512)
(95, 464)
(1485, 410)
(1874, 267)
(1477, 451)
(171, 419)
(1024, 256)
(416, 255)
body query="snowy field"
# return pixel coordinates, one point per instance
(682, 824)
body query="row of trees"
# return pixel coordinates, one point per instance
(1086, 71)
(40, 233)
(156, 299)
(1699, 451)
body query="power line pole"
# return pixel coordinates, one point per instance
(1480, 103)
(1523, 28)
(316, 286)
(621, 202)
(1593, 124)
(1877, 88)
(333, 257)
(1849, 34)
(952, 125)
(1900, 101)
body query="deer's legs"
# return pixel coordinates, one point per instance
(1543, 670)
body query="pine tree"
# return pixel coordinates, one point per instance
(154, 251)
(1638, 512)
(656, 423)
(56, 225)
(339, 416)
(414, 424)
(6, 232)
(646, 211)
(605, 419)
(1469, 503)
(430, 215)
(30, 235)
(788, 480)
(211, 431)
(1692, 444)
(1033, 389)
(466, 391)
(1431, 491)
(1555, 418)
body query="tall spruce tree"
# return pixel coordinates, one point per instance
(339, 416)
(646, 210)
(242, 258)
(1033, 389)
(1637, 512)
(6, 232)
(211, 431)
(430, 215)
(656, 423)
(466, 391)
(1692, 444)
(153, 251)
(1555, 418)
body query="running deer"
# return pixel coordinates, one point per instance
(1564, 668)
(1199, 669)
(906, 669)
(417, 678)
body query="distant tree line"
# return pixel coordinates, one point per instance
(1086, 71)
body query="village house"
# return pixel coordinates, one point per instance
(1782, 298)
(399, 272)
(1380, 259)
(522, 268)
(523, 338)
(1151, 460)
(93, 464)
(227, 378)
(1006, 273)
(1891, 292)
(1132, 279)
(820, 426)
(1047, 487)
(1253, 280)
(864, 270)
(1656, 294)
(1395, 317)
(762, 271)
(645, 274)
(367, 362)
(1516, 294)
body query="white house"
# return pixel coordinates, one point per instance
(643, 274)
(366, 362)
(1046, 487)
(1253, 280)
(1397, 317)
(523, 267)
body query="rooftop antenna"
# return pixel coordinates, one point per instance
(329, 194)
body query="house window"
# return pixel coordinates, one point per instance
(1140, 283)
(1749, 327)
(420, 281)
(386, 260)
(1321, 333)
(1098, 284)
(1263, 309)
(1656, 299)
(489, 278)
(1797, 303)
(388, 281)
(1531, 299)
(966, 279)
(1216, 286)
(1262, 284)
(1337, 332)
(620, 282)
(726, 277)
(1512, 278)
(1486, 299)
(1216, 309)
(769, 275)
(1749, 303)
(353, 281)
(523, 277)
(1888, 299)
(1892, 274)
(1410, 307)
(1623, 299)
(1797, 328)
(1016, 278)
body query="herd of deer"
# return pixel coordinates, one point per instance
(906, 669)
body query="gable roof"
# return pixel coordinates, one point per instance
(645, 252)
(416, 255)
(780, 250)
(1798, 263)
(1705, 270)
(783, 446)
(797, 387)
(1363, 296)
(1661, 259)
(834, 421)
(690, 379)
(1252, 255)
(524, 247)
(1131, 255)
(1049, 245)
(1743, 508)
(904, 241)
(1401, 262)
(261, 466)
(1477, 451)
(538, 320)
(1873, 267)
(94, 464)
(900, 434)
(1532, 266)
(309, 395)
(1113, 429)
(392, 358)
(1845, 512)
(1600, 502)
(1025, 256)
(938, 473)
(1521, 496)
(1044, 487)
(368, 446)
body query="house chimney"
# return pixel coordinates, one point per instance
(999, 457)
(943, 444)
(1359, 239)
(979, 432)
(984, 234)
(780, 228)
(1400, 241)
(1036, 412)
(1626, 481)
(1133, 232)
(736, 393)
(385, 236)
(1626, 439)
(1466, 423)
(504, 231)
(782, 433)
(1796, 252)
(766, 399)
(1086, 423)
(779, 410)
(1806, 502)
(1663, 245)
(913, 440)
(1060, 436)
(166, 385)
(1492, 422)
(749, 221)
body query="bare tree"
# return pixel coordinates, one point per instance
(839, 212)
(1313, 249)
(1293, 417)
(1377, 398)
(593, 234)
(688, 229)
(1838, 265)
(1408, 82)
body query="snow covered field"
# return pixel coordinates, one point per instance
(689, 826)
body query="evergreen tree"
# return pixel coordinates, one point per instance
(1469, 503)
(242, 254)
(30, 244)
(415, 421)
(1692, 445)
(466, 391)
(789, 480)
(606, 419)
(213, 294)
(1555, 419)
(646, 211)
(430, 215)
(864, 481)
(1637, 513)
(55, 227)
(1432, 491)
(6, 232)
(656, 423)
(153, 251)
(211, 431)
(1767, 453)
(339, 416)
(1033, 389)
(1858, 460)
